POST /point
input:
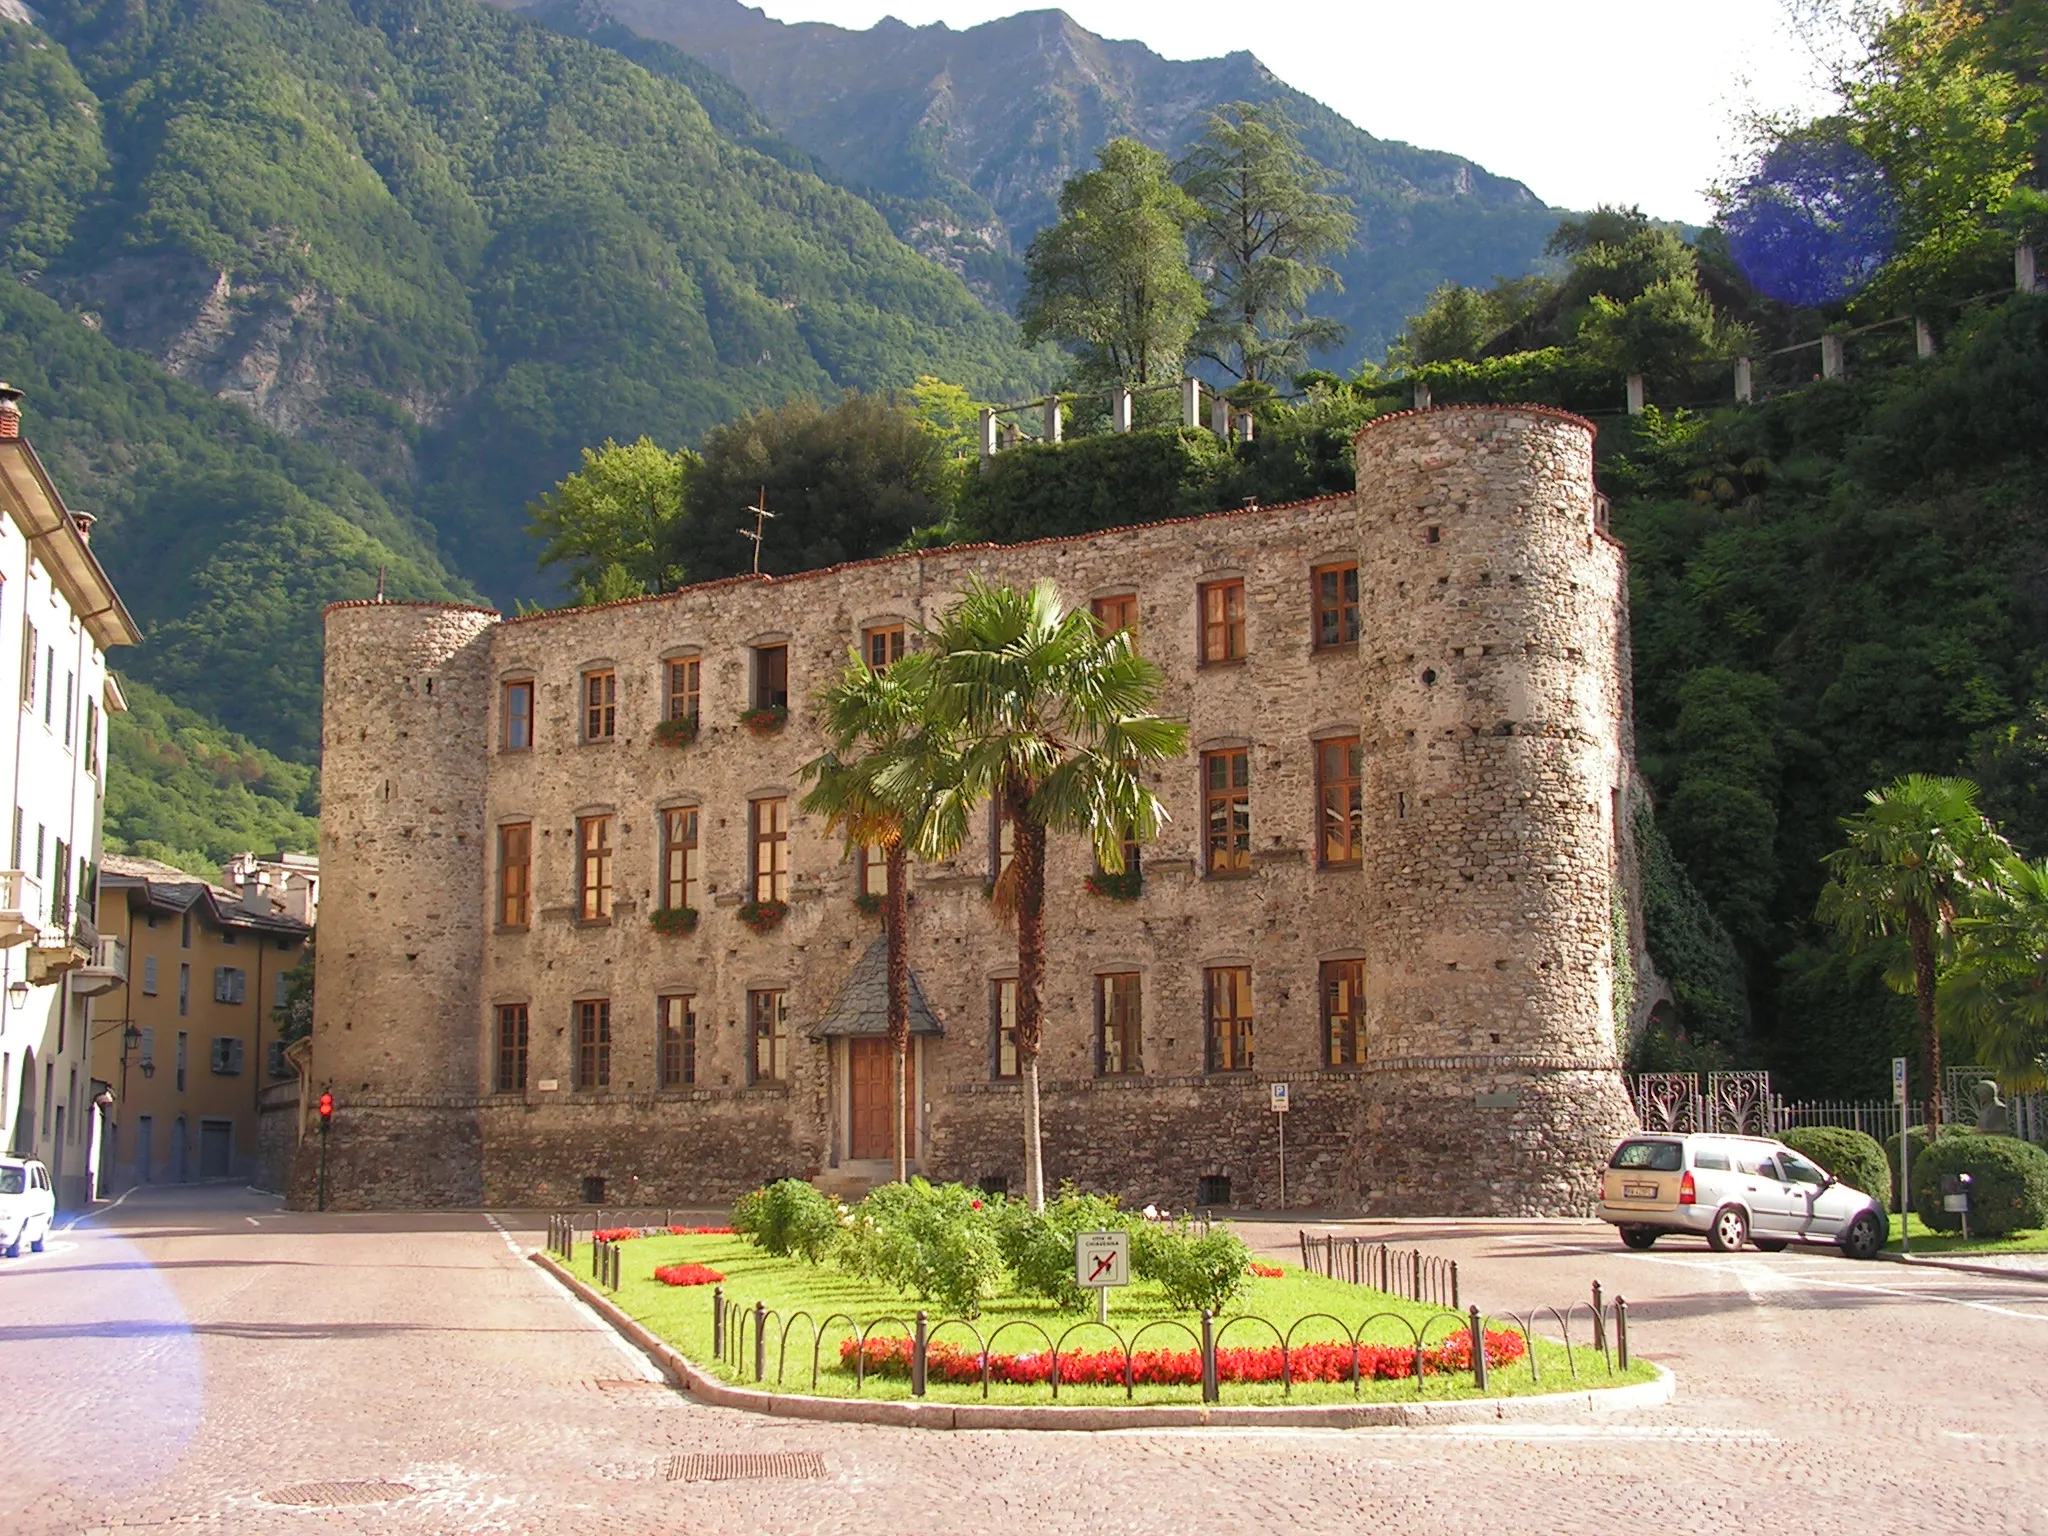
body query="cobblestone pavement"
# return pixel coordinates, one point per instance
(174, 1359)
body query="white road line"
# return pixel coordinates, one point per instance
(102, 1209)
(640, 1364)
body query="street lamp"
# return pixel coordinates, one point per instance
(17, 993)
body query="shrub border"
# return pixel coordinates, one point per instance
(681, 1373)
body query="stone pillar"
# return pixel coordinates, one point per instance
(1245, 424)
(1053, 425)
(1834, 361)
(1219, 417)
(988, 437)
(1923, 338)
(1745, 381)
(1191, 402)
(1493, 723)
(2024, 277)
(1635, 394)
(398, 1015)
(1120, 409)
(1422, 397)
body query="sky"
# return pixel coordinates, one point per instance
(1586, 101)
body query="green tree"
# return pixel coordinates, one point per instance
(613, 525)
(845, 483)
(1048, 717)
(294, 1015)
(1453, 327)
(1110, 281)
(868, 789)
(1994, 992)
(1912, 866)
(1264, 241)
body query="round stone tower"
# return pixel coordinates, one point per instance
(1492, 610)
(406, 733)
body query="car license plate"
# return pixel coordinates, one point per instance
(1639, 1191)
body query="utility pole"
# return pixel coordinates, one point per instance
(761, 519)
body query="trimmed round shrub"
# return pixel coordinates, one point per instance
(789, 1218)
(1038, 1246)
(1194, 1271)
(1920, 1143)
(1854, 1158)
(937, 1241)
(2008, 1184)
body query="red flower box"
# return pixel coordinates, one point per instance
(687, 1274)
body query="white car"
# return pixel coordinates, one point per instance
(27, 1205)
(1734, 1190)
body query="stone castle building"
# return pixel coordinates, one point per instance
(1390, 879)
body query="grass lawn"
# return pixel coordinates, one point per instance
(1927, 1241)
(682, 1315)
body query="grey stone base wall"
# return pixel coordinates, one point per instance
(1487, 1140)
(648, 1150)
(392, 1156)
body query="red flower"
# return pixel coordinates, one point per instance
(1267, 1271)
(687, 1274)
(975, 1203)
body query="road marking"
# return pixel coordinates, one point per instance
(101, 1210)
(252, 1221)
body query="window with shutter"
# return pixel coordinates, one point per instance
(149, 975)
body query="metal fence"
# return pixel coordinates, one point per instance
(1742, 1103)
(1399, 1272)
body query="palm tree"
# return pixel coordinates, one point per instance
(1912, 865)
(1994, 994)
(1045, 715)
(870, 715)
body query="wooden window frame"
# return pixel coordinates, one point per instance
(601, 704)
(1229, 1038)
(769, 879)
(684, 696)
(1223, 640)
(1340, 803)
(1120, 992)
(593, 1044)
(1235, 863)
(677, 1041)
(1338, 613)
(882, 645)
(1344, 1034)
(1002, 1033)
(1001, 831)
(681, 882)
(771, 1027)
(871, 869)
(766, 697)
(508, 717)
(515, 875)
(513, 1039)
(1116, 614)
(594, 868)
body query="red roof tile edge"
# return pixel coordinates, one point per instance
(1527, 410)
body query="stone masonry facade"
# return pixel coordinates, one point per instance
(1487, 692)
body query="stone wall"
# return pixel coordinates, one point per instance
(1482, 910)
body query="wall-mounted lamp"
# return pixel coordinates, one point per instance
(17, 993)
(131, 1037)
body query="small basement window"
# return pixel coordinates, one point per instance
(593, 1190)
(1212, 1189)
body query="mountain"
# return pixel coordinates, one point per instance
(964, 139)
(448, 245)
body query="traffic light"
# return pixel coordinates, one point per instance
(326, 1109)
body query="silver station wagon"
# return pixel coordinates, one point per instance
(1734, 1190)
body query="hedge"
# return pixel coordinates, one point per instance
(1891, 1156)
(2008, 1184)
(1854, 1158)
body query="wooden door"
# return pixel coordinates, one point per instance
(870, 1067)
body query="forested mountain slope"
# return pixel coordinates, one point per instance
(448, 244)
(965, 138)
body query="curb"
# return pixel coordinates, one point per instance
(1961, 1267)
(1549, 1408)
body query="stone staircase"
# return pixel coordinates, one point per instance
(851, 1180)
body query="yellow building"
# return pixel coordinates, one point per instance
(188, 1041)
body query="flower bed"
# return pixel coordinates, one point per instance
(946, 1361)
(627, 1234)
(688, 1274)
(1267, 1271)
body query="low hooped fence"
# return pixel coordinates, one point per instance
(1407, 1272)
(1447, 1343)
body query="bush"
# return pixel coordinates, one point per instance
(2008, 1184)
(1038, 1246)
(1195, 1272)
(1854, 1158)
(789, 1218)
(1891, 1157)
(937, 1242)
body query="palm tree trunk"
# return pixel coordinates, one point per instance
(1920, 931)
(1030, 856)
(895, 923)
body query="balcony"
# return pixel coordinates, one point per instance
(106, 970)
(62, 948)
(21, 907)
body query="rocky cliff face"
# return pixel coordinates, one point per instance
(965, 138)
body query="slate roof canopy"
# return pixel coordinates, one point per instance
(862, 1007)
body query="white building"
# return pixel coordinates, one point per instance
(59, 615)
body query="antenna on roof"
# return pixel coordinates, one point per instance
(380, 583)
(760, 528)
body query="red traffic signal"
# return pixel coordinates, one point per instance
(326, 1107)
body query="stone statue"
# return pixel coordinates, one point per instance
(1992, 1116)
